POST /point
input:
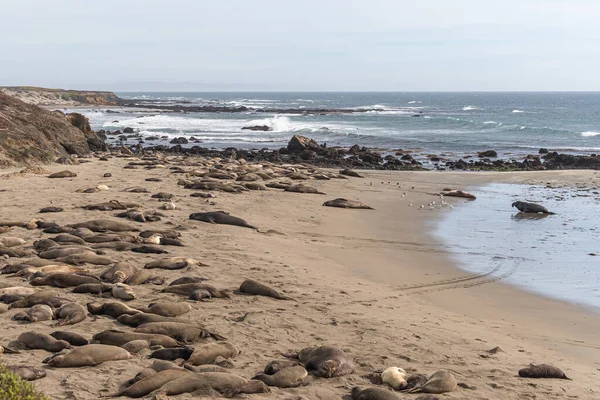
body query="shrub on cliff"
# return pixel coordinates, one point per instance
(12, 387)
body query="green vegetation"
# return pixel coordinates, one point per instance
(12, 387)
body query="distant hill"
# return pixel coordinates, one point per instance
(31, 135)
(60, 97)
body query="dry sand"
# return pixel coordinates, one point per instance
(373, 282)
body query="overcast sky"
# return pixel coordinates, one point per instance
(308, 45)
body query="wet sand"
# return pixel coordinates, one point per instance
(373, 282)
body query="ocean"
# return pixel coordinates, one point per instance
(447, 124)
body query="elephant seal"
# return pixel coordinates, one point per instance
(415, 380)
(61, 252)
(10, 241)
(118, 273)
(63, 280)
(151, 383)
(27, 373)
(85, 258)
(49, 270)
(205, 368)
(300, 188)
(39, 312)
(440, 382)
(458, 193)
(148, 250)
(70, 314)
(171, 234)
(531, 208)
(278, 365)
(45, 244)
(119, 338)
(48, 297)
(373, 394)
(140, 318)
(188, 279)
(104, 225)
(208, 353)
(114, 309)
(143, 276)
(173, 263)
(427, 397)
(88, 355)
(220, 217)
(252, 287)
(209, 382)
(123, 292)
(395, 377)
(173, 353)
(326, 361)
(63, 174)
(51, 210)
(93, 288)
(168, 309)
(135, 346)
(542, 371)
(197, 291)
(349, 172)
(17, 291)
(287, 378)
(157, 366)
(69, 239)
(37, 340)
(181, 331)
(72, 338)
(344, 203)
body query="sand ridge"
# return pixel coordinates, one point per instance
(372, 282)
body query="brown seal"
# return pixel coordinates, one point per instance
(157, 366)
(302, 189)
(138, 319)
(37, 340)
(48, 297)
(168, 309)
(93, 288)
(66, 238)
(349, 172)
(104, 225)
(415, 380)
(118, 273)
(123, 292)
(344, 203)
(210, 382)
(278, 365)
(286, 378)
(39, 312)
(181, 331)
(114, 309)
(530, 207)
(252, 287)
(173, 353)
(188, 279)
(59, 252)
(70, 314)
(326, 361)
(373, 394)
(143, 276)
(542, 371)
(151, 383)
(72, 338)
(173, 263)
(63, 280)
(458, 193)
(220, 217)
(135, 346)
(88, 355)
(27, 373)
(63, 174)
(197, 291)
(208, 353)
(119, 338)
(86, 258)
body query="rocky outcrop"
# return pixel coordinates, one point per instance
(298, 144)
(30, 134)
(257, 128)
(60, 97)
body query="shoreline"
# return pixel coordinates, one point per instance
(349, 269)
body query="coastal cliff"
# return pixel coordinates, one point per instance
(60, 97)
(30, 134)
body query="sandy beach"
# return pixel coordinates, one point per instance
(374, 282)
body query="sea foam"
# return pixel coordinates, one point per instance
(590, 134)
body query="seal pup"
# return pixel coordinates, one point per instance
(207, 383)
(252, 287)
(373, 394)
(415, 380)
(135, 346)
(123, 292)
(88, 355)
(51, 210)
(173, 353)
(287, 378)
(93, 288)
(39, 312)
(344, 203)
(17, 291)
(70, 314)
(11, 241)
(531, 208)
(118, 273)
(542, 371)
(326, 361)
(395, 377)
(27, 373)
(72, 338)
(278, 365)
(208, 353)
(37, 340)
(440, 382)
(220, 217)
